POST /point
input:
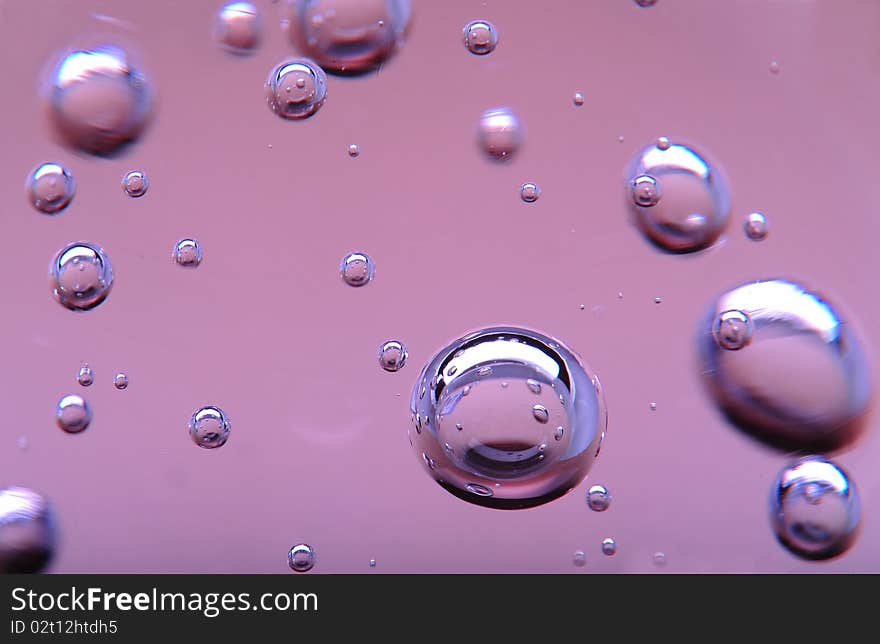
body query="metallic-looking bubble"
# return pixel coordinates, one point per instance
(238, 27)
(50, 188)
(296, 88)
(81, 276)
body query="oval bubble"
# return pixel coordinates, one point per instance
(27, 531)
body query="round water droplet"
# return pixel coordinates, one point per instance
(598, 498)
(187, 253)
(99, 100)
(494, 438)
(695, 204)
(296, 89)
(529, 192)
(732, 330)
(120, 381)
(27, 531)
(392, 355)
(578, 99)
(659, 559)
(609, 547)
(86, 376)
(579, 558)
(357, 269)
(301, 558)
(238, 27)
(815, 509)
(756, 226)
(801, 381)
(354, 150)
(73, 414)
(50, 188)
(81, 276)
(500, 133)
(348, 37)
(480, 37)
(209, 427)
(135, 183)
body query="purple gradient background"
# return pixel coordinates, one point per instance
(266, 330)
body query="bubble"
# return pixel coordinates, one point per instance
(296, 89)
(695, 204)
(529, 192)
(209, 427)
(800, 381)
(238, 27)
(81, 276)
(86, 376)
(774, 67)
(653, 406)
(345, 36)
(755, 226)
(187, 253)
(559, 433)
(73, 414)
(658, 300)
(499, 455)
(357, 269)
(120, 381)
(372, 563)
(598, 498)
(646, 3)
(500, 133)
(50, 188)
(579, 558)
(480, 37)
(135, 183)
(301, 558)
(578, 99)
(354, 150)
(27, 531)
(659, 559)
(815, 509)
(663, 143)
(99, 99)
(392, 355)
(22, 443)
(609, 547)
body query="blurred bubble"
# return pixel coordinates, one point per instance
(756, 227)
(529, 192)
(187, 253)
(482, 439)
(86, 376)
(73, 414)
(50, 188)
(774, 67)
(354, 150)
(579, 558)
(348, 36)
(27, 531)
(238, 27)
(357, 269)
(296, 89)
(99, 99)
(209, 427)
(609, 546)
(81, 276)
(480, 37)
(500, 133)
(659, 559)
(135, 183)
(392, 355)
(120, 381)
(301, 558)
(695, 204)
(646, 3)
(797, 377)
(598, 498)
(815, 509)
(578, 99)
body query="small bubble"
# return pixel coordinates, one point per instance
(500, 133)
(578, 99)
(504, 385)
(238, 27)
(28, 534)
(619, 295)
(620, 139)
(135, 183)
(645, 191)
(582, 306)
(81, 276)
(732, 330)
(22, 443)
(357, 269)
(120, 381)
(479, 490)
(579, 558)
(540, 413)
(73, 414)
(354, 150)
(755, 226)
(658, 300)
(372, 563)
(458, 426)
(598, 498)
(480, 37)
(309, 81)
(659, 559)
(187, 253)
(86, 376)
(663, 143)
(559, 433)
(392, 355)
(529, 192)
(609, 547)
(646, 3)
(653, 406)
(534, 386)
(209, 427)
(774, 67)
(50, 188)
(301, 558)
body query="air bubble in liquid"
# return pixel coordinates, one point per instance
(301, 558)
(695, 204)
(27, 531)
(500, 456)
(529, 192)
(392, 355)
(598, 498)
(209, 427)
(80, 276)
(579, 558)
(73, 414)
(480, 37)
(238, 27)
(578, 99)
(135, 183)
(346, 36)
(756, 226)
(815, 509)
(120, 381)
(86, 376)
(187, 253)
(50, 188)
(99, 99)
(296, 89)
(354, 150)
(799, 379)
(500, 133)
(609, 547)
(357, 269)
